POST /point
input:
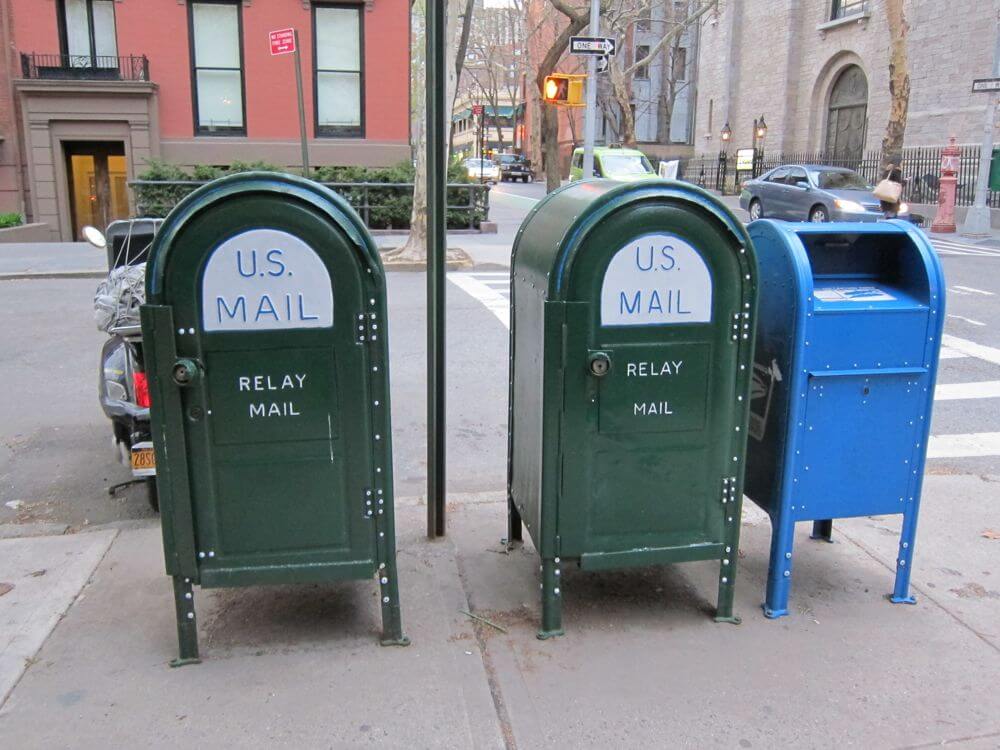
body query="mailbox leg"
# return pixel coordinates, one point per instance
(901, 592)
(514, 526)
(392, 626)
(727, 567)
(187, 625)
(551, 600)
(823, 530)
(779, 571)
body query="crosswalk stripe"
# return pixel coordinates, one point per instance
(956, 391)
(949, 353)
(972, 349)
(970, 445)
(492, 300)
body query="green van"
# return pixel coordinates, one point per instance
(613, 163)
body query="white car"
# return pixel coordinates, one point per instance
(483, 169)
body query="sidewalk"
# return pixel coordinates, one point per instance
(642, 662)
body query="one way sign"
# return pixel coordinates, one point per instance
(591, 45)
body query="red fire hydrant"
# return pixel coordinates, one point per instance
(945, 220)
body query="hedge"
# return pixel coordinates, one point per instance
(10, 220)
(389, 208)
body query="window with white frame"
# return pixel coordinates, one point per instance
(338, 74)
(217, 67)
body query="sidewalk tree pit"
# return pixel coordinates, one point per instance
(632, 318)
(267, 360)
(849, 334)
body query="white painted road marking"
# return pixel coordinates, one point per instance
(495, 302)
(973, 290)
(956, 391)
(964, 446)
(950, 247)
(972, 349)
(948, 353)
(967, 320)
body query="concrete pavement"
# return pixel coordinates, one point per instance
(642, 662)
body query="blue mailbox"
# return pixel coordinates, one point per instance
(848, 336)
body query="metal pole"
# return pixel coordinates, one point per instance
(437, 83)
(590, 115)
(977, 220)
(302, 106)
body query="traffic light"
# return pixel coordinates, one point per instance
(565, 89)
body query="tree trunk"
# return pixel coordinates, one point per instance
(899, 86)
(550, 114)
(623, 98)
(414, 250)
(550, 147)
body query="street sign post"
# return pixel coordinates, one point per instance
(592, 45)
(985, 85)
(283, 42)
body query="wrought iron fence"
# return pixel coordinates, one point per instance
(381, 205)
(85, 67)
(921, 169)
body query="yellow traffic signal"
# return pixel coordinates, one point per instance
(565, 89)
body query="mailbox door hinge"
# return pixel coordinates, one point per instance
(728, 490)
(367, 327)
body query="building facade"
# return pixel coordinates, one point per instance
(92, 90)
(817, 71)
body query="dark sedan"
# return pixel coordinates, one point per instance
(812, 193)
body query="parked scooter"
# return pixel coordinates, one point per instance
(123, 389)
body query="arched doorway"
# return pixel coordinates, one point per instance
(847, 116)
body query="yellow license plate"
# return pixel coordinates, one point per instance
(143, 459)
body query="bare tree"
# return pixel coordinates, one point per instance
(460, 52)
(496, 61)
(621, 19)
(899, 85)
(415, 247)
(578, 18)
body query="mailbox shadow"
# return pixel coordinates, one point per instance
(278, 618)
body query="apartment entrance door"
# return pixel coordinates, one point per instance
(97, 174)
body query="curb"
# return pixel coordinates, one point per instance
(72, 274)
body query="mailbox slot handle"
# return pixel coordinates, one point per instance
(868, 372)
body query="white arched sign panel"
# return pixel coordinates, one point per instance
(265, 280)
(656, 279)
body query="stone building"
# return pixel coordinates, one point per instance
(817, 70)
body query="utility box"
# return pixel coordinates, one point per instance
(265, 330)
(848, 337)
(631, 344)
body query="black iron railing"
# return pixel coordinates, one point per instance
(85, 67)
(381, 205)
(921, 171)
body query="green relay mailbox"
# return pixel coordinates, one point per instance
(268, 369)
(631, 345)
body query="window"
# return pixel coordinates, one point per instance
(338, 75)
(641, 52)
(87, 33)
(642, 23)
(845, 8)
(778, 175)
(216, 32)
(795, 176)
(680, 63)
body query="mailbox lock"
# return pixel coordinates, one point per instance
(184, 372)
(599, 364)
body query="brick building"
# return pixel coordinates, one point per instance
(817, 70)
(90, 90)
